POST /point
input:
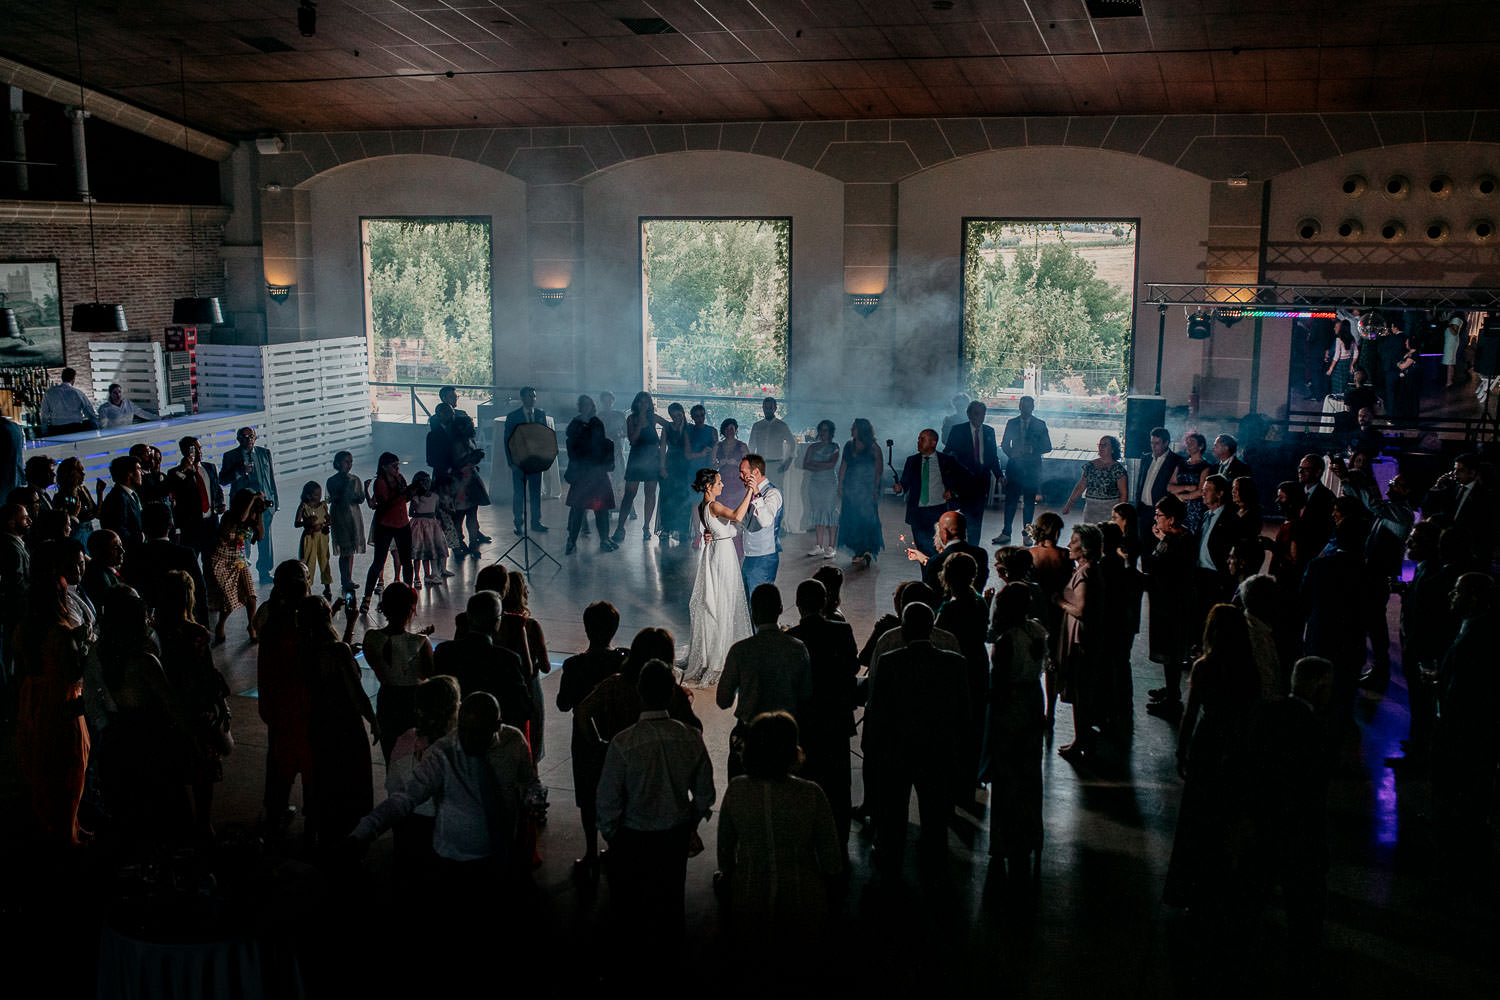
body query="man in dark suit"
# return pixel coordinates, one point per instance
(1331, 594)
(197, 498)
(1158, 474)
(1464, 754)
(1461, 501)
(527, 413)
(930, 482)
(914, 724)
(973, 444)
(1288, 805)
(1226, 453)
(766, 672)
(478, 663)
(1024, 442)
(949, 539)
(147, 565)
(1317, 508)
(249, 467)
(1216, 535)
(121, 510)
(827, 721)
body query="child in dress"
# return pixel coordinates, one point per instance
(313, 518)
(446, 488)
(428, 546)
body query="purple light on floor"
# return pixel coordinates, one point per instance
(1387, 820)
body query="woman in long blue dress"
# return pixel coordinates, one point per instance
(859, 493)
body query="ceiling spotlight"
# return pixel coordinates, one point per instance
(307, 18)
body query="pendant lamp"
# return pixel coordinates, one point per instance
(195, 309)
(95, 316)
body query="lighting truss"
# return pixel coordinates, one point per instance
(1321, 300)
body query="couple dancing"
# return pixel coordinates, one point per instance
(719, 609)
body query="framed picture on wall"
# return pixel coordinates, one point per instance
(31, 289)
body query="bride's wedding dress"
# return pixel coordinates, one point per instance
(718, 611)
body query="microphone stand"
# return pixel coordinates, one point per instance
(890, 460)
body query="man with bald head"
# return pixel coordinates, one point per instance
(950, 537)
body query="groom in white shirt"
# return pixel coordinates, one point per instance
(762, 550)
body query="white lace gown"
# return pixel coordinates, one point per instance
(718, 611)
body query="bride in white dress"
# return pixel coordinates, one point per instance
(719, 614)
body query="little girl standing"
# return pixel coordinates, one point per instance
(428, 546)
(313, 519)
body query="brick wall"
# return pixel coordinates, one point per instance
(142, 266)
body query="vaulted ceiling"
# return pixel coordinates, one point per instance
(425, 63)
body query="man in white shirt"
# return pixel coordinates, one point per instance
(1159, 474)
(482, 778)
(656, 787)
(772, 438)
(762, 525)
(65, 409)
(119, 411)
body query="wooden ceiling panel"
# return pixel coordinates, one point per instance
(722, 46)
(968, 39)
(1069, 36)
(736, 15)
(915, 41)
(912, 101)
(860, 57)
(1015, 37)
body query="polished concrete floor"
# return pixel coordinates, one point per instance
(1092, 924)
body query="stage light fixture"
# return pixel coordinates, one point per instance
(552, 296)
(1200, 325)
(864, 303)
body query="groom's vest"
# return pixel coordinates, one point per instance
(776, 521)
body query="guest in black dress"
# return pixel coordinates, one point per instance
(645, 463)
(1013, 753)
(966, 616)
(676, 484)
(590, 457)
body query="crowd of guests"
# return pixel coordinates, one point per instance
(123, 719)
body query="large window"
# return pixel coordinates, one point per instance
(1047, 310)
(716, 305)
(427, 300)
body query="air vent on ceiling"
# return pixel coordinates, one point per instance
(652, 25)
(267, 44)
(1114, 8)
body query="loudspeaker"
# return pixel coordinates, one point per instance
(1143, 414)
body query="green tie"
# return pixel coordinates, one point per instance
(922, 497)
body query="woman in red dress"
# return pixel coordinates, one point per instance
(52, 739)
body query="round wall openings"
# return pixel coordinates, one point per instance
(1309, 229)
(1440, 186)
(1485, 185)
(1351, 229)
(1353, 186)
(1481, 230)
(1397, 187)
(1436, 231)
(1393, 230)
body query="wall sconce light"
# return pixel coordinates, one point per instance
(278, 293)
(864, 303)
(552, 296)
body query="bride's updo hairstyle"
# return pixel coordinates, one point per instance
(704, 479)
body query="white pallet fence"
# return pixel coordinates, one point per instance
(138, 367)
(315, 394)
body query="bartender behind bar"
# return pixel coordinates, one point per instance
(65, 409)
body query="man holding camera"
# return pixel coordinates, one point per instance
(249, 467)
